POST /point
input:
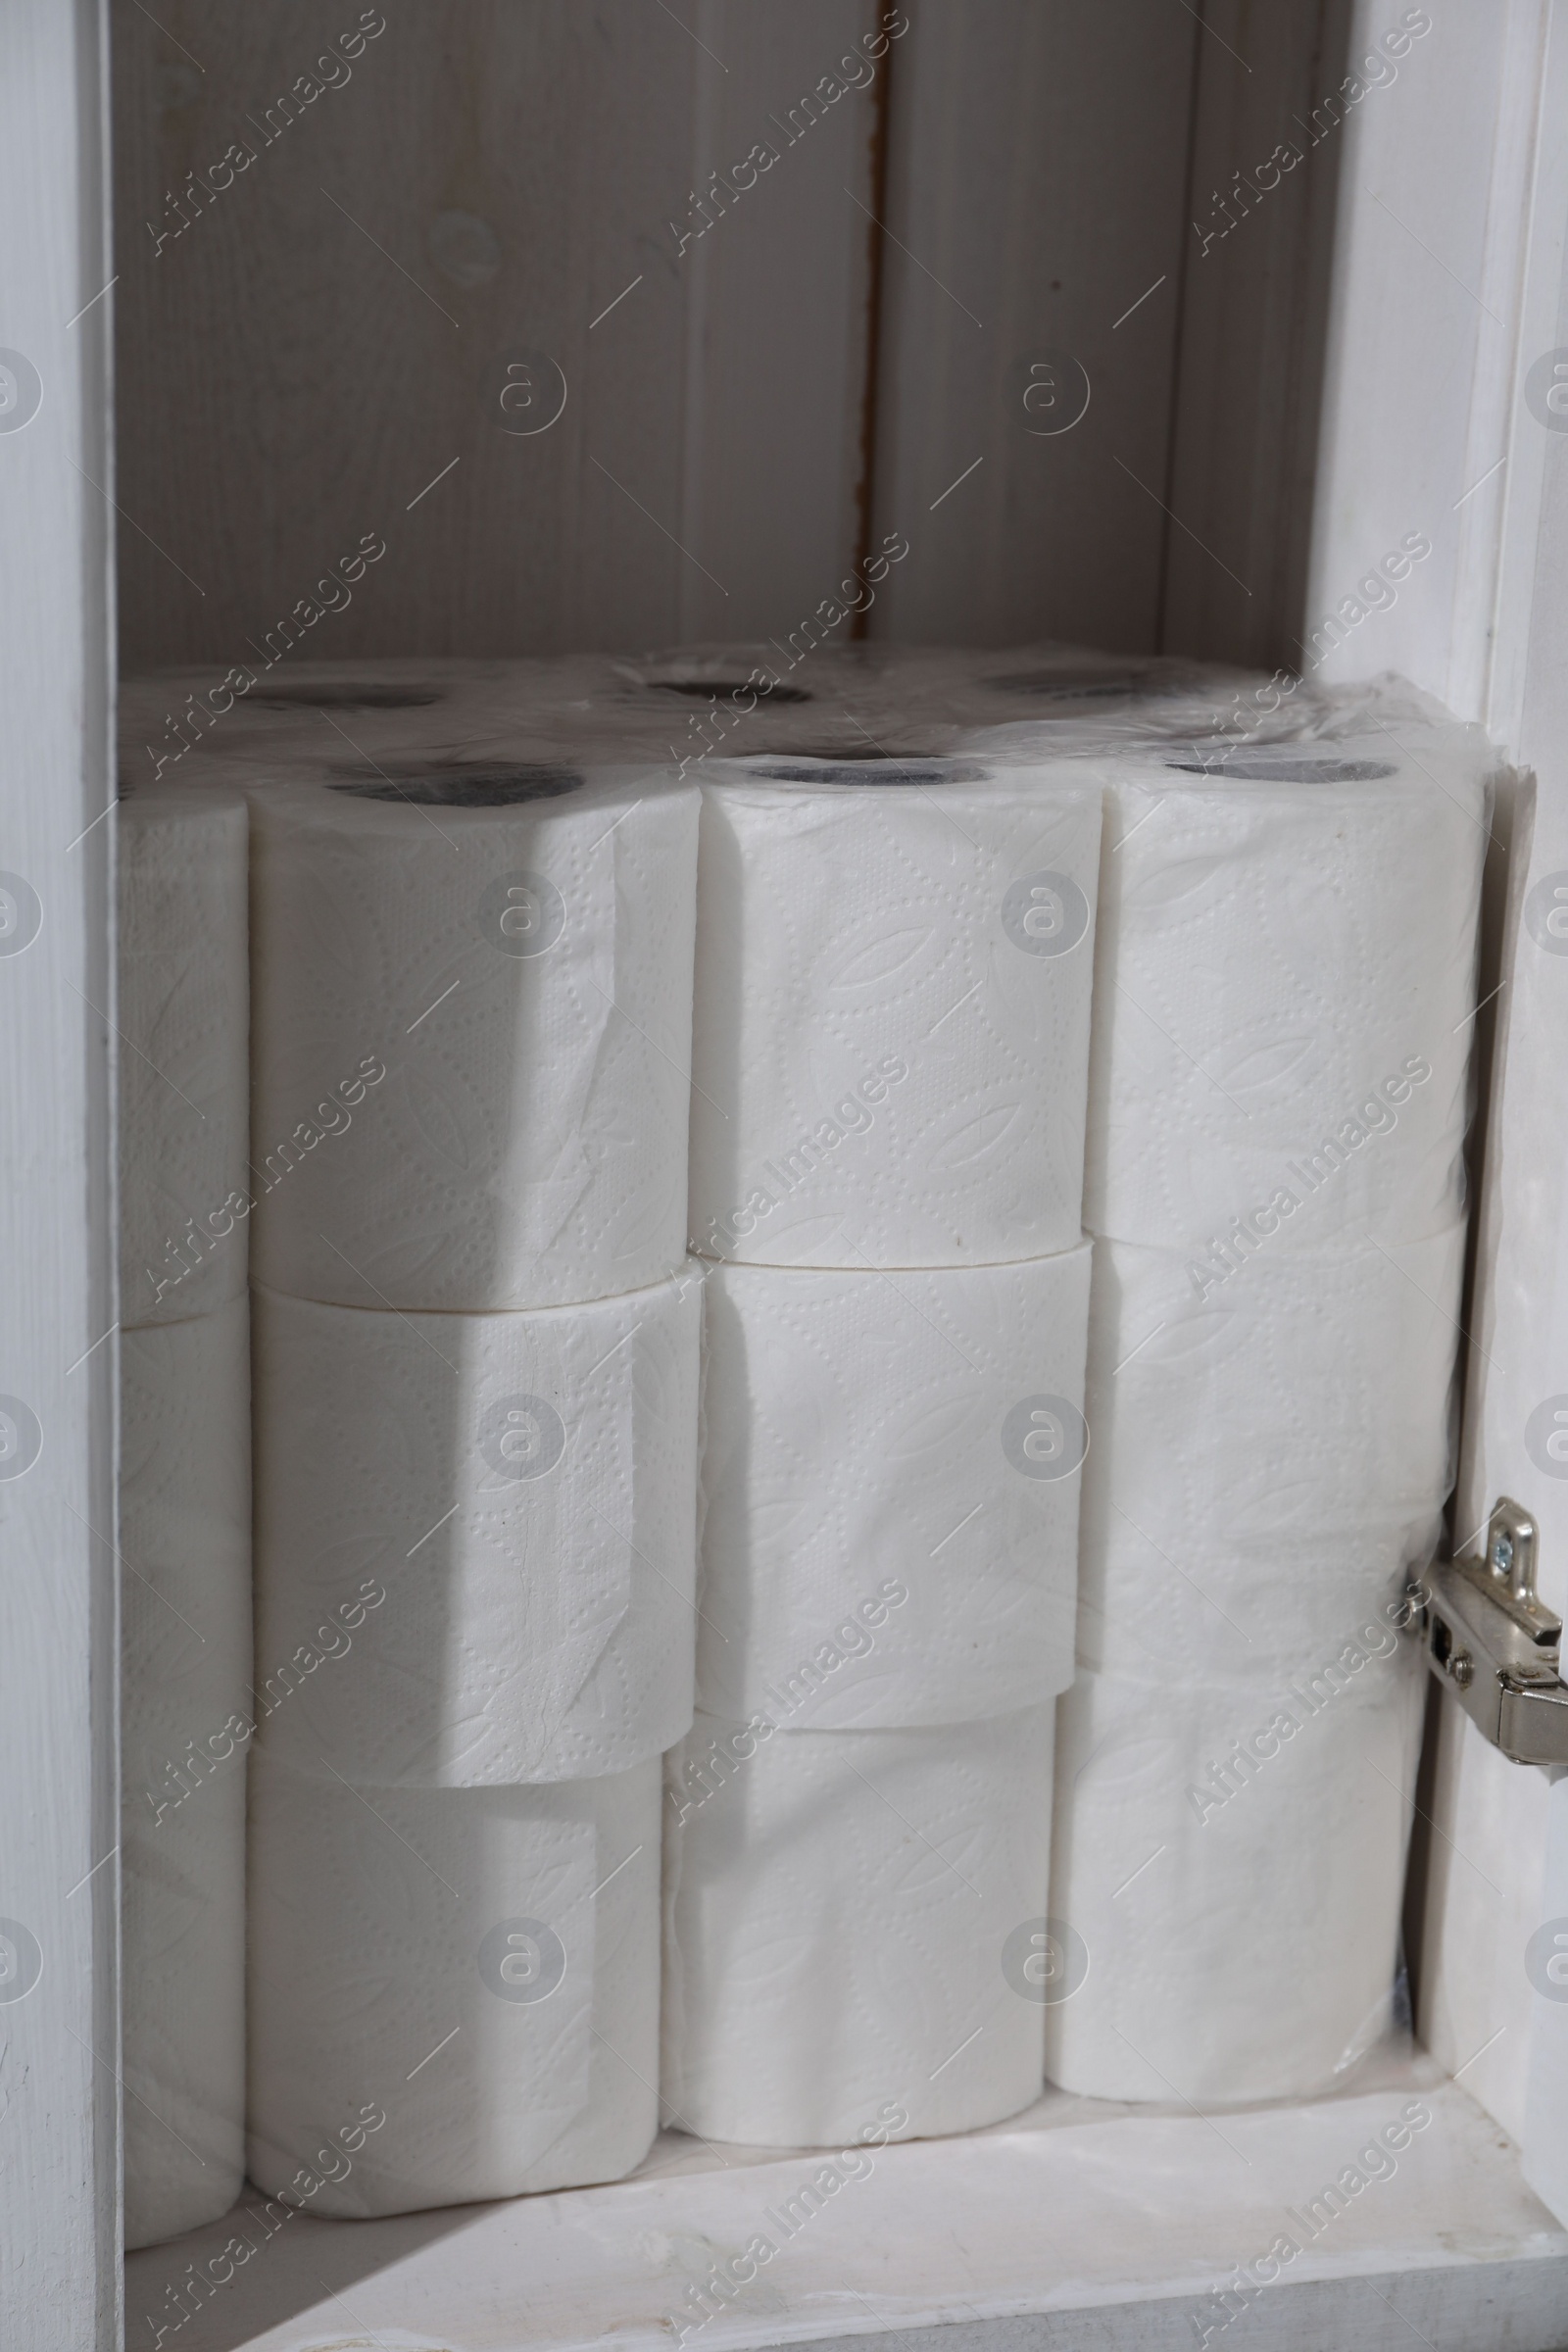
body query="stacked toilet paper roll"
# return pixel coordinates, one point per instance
(507, 1504)
(844, 1938)
(1264, 1454)
(184, 1016)
(1277, 1041)
(453, 1992)
(184, 1500)
(185, 1722)
(477, 1356)
(472, 1034)
(1228, 1864)
(892, 1021)
(892, 983)
(890, 1476)
(1276, 1110)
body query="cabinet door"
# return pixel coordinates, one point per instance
(59, 2224)
(1446, 414)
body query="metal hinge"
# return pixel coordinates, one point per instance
(1493, 1645)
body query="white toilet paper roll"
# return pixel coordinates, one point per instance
(185, 1715)
(848, 1919)
(183, 1019)
(1284, 967)
(476, 1537)
(453, 1992)
(472, 1034)
(892, 1016)
(891, 1477)
(1227, 1875)
(1264, 1458)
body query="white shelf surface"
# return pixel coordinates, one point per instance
(1077, 2224)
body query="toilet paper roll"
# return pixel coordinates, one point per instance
(848, 1919)
(183, 1019)
(1227, 1877)
(186, 1716)
(182, 2007)
(1265, 1458)
(453, 1992)
(472, 1034)
(476, 1537)
(892, 1016)
(1284, 971)
(891, 1477)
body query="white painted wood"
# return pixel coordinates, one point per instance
(1449, 285)
(1078, 2224)
(1434, 210)
(332, 330)
(1545, 2141)
(1037, 178)
(59, 2180)
(1519, 1317)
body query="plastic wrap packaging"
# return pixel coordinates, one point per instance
(184, 1022)
(476, 1537)
(256, 719)
(185, 1721)
(891, 1474)
(848, 1916)
(471, 1035)
(454, 1992)
(1226, 1874)
(816, 693)
(893, 970)
(813, 692)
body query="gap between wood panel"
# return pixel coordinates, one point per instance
(1257, 261)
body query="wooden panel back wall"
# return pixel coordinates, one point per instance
(623, 323)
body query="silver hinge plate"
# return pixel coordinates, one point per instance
(1493, 1645)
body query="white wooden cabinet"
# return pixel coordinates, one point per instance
(747, 383)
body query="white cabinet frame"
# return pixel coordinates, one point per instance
(1447, 286)
(59, 1807)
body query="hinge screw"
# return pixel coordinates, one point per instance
(1502, 1556)
(1462, 1667)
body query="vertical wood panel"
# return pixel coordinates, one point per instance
(292, 378)
(59, 2275)
(520, 175)
(1037, 179)
(780, 329)
(1258, 245)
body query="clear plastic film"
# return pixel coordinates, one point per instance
(938, 958)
